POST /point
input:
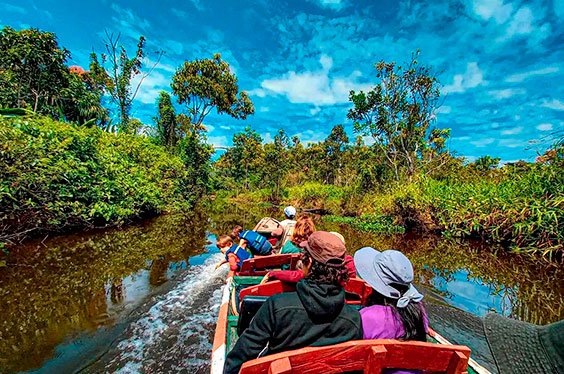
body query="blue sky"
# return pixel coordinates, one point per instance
(501, 63)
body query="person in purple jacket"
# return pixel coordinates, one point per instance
(395, 309)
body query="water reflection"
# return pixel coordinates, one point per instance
(53, 295)
(67, 286)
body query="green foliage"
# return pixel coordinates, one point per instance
(371, 223)
(398, 113)
(485, 163)
(55, 176)
(168, 129)
(33, 75)
(205, 84)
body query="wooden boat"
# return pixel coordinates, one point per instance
(243, 295)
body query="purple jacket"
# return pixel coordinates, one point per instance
(380, 322)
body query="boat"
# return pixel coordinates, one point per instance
(244, 294)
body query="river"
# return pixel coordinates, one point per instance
(144, 298)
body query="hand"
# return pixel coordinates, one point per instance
(265, 279)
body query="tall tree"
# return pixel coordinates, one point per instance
(203, 85)
(168, 130)
(398, 113)
(334, 146)
(276, 161)
(34, 75)
(246, 154)
(121, 71)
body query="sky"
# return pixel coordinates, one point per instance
(500, 63)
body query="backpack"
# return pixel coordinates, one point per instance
(257, 243)
(267, 226)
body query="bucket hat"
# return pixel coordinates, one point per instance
(521, 347)
(381, 270)
(326, 248)
(290, 211)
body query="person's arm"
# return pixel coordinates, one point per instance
(232, 261)
(292, 276)
(221, 263)
(253, 340)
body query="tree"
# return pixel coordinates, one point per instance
(398, 113)
(34, 75)
(334, 147)
(122, 70)
(275, 161)
(168, 131)
(205, 84)
(486, 163)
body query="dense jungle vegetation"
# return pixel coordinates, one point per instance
(72, 156)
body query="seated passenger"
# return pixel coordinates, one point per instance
(290, 215)
(395, 308)
(315, 314)
(254, 242)
(234, 254)
(303, 229)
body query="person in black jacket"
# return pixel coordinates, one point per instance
(315, 315)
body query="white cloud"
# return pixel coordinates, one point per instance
(544, 127)
(473, 77)
(516, 78)
(314, 111)
(12, 8)
(312, 87)
(512, 143)
(178, 12)
(480, 143)
(513, 131)
(333, 4)
(522, 23)
(264, 109)
(151, 86)
(495, 9)
(128, 23)
(218, 141)
(506, 93)
(445, 109)
(553, 104)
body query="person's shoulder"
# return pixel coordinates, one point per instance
(282, 300)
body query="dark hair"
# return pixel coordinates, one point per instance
(411, 316)
(223, 240)
(235, 232)
(322, 273)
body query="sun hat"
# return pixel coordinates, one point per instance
(325, 248)
(290, 211)
(338, 236)
(521, 347)
(383, 269)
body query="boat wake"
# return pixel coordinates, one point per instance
(175, 334)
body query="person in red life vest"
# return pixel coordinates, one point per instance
(234, 254)
(294, 276)
(252, 241)
(314, 315)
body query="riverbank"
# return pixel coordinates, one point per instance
(520, 206)
(57, 177)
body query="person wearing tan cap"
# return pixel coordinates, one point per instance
(316, 314)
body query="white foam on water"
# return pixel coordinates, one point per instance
(175, 334)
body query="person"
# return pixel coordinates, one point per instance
(254, 242)
(288, 225)
(316, 314)
(521, 347)
(395, 309)
(290, 215)
(234, 254)
(294, 276)
(303, 229)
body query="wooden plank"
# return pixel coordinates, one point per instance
(280, 366)
(375, 360)
(368, 355)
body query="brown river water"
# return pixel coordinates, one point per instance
(144, 298)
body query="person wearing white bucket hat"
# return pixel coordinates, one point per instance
(395, 308)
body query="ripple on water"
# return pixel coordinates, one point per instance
(175, 334)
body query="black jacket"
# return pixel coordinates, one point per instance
(315, 315)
